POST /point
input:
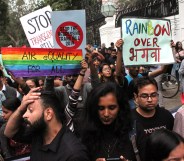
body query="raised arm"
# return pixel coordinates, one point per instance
(78, 83)
(21, 82)
(15, 120)
(95, 81)
(158, 71)
(119, 64)
(73, 98)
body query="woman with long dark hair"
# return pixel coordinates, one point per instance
(108, 124)
(165, 145)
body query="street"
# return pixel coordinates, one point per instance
(172, 103)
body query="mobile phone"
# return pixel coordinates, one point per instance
(113, 159)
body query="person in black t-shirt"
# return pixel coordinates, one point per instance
(147, 113)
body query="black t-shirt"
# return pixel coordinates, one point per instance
(162, 119)
(64, 147)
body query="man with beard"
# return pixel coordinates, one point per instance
(51, 140)
(147, 113)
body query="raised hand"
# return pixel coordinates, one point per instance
(19, 80)
(29, 98)
(84, 66)
(119, 44)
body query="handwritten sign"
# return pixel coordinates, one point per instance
(146, 41)
(37, 27)
(69, 29)
(28, 62)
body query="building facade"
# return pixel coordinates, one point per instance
(166, 9)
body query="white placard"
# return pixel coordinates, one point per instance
(38, 29)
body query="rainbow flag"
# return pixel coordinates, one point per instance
(28, 62)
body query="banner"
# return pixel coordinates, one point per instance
(69, 29)
(28, 62)
(146, 41)
(37, 27)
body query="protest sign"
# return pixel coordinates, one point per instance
(37, 27)
(28, 62)
(146, 41)
(69, 29)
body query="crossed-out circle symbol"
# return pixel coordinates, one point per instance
(69, 35)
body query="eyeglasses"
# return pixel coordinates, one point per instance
(106, 69)
(147, 96)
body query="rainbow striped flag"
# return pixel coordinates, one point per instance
(28, 62)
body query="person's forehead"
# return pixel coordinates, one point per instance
(149, 88)
(4, 108)
(37, 104)
(104, 66)
(29, 81)
(40, 80)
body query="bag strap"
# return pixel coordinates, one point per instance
(133, 140)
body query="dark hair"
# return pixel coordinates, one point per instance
(113, 50)
(35, 80)
(161, 143)
(111, 78)
(143, 81)
(1, 73)
(96, 58)
(177, 48)
(10, 83)
(50, 99)
(11, 104)
(94, 128)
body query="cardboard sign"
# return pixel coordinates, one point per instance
(146, 41)
(69, 29)
(37, 27)
(28, 62)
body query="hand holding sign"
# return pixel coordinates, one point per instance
(84, 66)
(119, 44)
(172, 44)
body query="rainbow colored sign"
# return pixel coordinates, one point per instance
(28, 62)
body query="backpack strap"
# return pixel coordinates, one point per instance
(132, 136)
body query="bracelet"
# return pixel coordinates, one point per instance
(81, 74)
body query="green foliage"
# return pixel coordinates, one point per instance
(3, 15)
(13, 33)
(62, 4)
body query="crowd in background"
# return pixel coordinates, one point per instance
(103, 112)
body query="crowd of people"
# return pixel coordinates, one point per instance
(105, 112)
